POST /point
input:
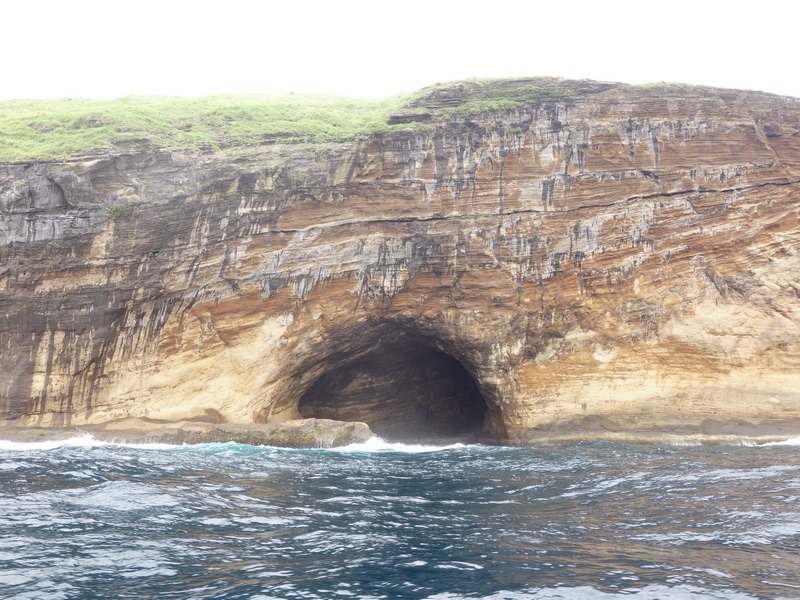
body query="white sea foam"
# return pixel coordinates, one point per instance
(376, 444)
(85, 440)
(146, 446)
(789, 442)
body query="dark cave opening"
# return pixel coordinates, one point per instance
(405, 391)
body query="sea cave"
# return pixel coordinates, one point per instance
(404, 390)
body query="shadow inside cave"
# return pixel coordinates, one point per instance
(405, 391)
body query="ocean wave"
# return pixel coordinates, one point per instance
(377, 444)
(85, 440)
(650, 592)
(374, 444)
(789, 442)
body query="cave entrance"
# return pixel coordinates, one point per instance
(405, 391)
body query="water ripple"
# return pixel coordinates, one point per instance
(86, 520)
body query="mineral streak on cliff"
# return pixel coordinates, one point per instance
(625, 258)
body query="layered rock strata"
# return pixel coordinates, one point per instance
(624, 260)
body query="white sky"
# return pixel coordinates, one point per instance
(97, 49)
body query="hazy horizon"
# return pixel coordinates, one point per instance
(90, 49)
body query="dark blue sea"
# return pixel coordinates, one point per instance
(86, 519)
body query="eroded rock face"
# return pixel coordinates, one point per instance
(626, 260)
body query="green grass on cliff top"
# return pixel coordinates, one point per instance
(54, 129)
(51, 129)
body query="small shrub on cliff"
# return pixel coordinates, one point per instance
(119, 210)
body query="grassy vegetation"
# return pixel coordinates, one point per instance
(45, 129)
(51, 129)
(483, 95)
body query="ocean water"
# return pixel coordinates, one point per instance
(85, 519)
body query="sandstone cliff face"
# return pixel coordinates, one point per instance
(627, 260)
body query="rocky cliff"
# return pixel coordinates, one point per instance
(622, 259)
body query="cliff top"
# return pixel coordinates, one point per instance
(56, 129)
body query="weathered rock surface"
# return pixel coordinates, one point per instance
(300, 433)
(626, 261)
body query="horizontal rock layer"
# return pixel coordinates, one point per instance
(627, 261)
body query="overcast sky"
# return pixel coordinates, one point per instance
(86, 48)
